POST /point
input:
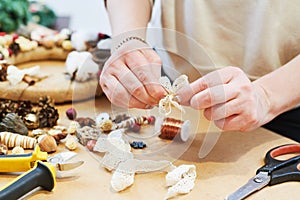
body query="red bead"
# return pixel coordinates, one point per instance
(151, 120)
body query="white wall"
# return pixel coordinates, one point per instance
(89, 15)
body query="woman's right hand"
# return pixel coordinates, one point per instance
(130, 77)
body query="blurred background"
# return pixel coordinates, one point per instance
(89, 15)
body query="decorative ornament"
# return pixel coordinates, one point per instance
(166, 103)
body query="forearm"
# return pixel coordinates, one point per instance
(282, 87)
(128, 15)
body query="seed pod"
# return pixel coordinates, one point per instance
(13, 139)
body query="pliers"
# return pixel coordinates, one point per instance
(40, 170)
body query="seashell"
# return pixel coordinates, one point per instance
(13, 123)
(47, 143)
(3, 149)
(17, 150)
(31, 121)
(13, 139)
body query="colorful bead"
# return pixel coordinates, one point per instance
(138, 145)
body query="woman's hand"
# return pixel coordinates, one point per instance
(229, 99)
(130, 77)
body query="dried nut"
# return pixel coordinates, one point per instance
(67, 45)
(17, 150)
(3, 149)
(47, 143)
(106, 125)
(60, 136)
(71, 143)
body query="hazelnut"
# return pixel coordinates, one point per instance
(47, 143)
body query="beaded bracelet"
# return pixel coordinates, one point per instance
(129, 39)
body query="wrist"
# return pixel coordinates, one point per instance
(123, 39)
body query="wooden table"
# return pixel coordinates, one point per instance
(232, 161)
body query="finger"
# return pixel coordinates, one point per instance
(212, 79)
(118, 95)
(223, 110)
(233, 122)
(213, 96)
(218, 77)
(132, 84)
(147, 73)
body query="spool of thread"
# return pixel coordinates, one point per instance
(170, 128)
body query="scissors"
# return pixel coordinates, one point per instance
(41, 170)
(274, 171)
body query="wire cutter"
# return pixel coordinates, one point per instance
(40, 170)
(274, 171)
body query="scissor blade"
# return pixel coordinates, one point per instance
(68, 166)
(256, 183)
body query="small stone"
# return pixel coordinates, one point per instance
(135, 127)
(71, 113)
(90, 144)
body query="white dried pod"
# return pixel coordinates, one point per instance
(61, 128)
(54, 132)
(79, 39)
(13, 139)
(38, 132)
(17, 150)
(80, 66)
(101, 117)
(71, 143)
(73, 126)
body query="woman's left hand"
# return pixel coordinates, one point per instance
(229, 99)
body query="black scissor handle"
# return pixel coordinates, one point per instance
(282, 170)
